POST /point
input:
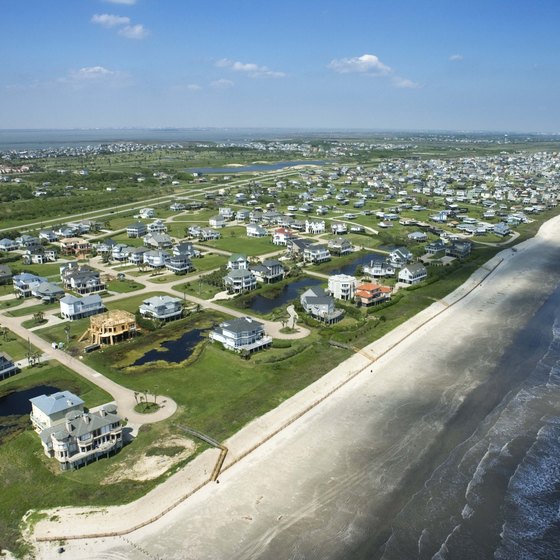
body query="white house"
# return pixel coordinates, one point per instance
(413, 274)
(240, 280)
(238, 261)
(316, 253)
(314, 226)
(342, 286)
(73, 308)
(320, 305)
(155, 259)
(281, 236)
(164, 308)
(243, 333)
(147, 213)
(217, 221)
(256, 230)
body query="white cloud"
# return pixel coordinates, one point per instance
(404, 83)
(456, 57)
(222, 84)
(137, 31)
(249, 68)
(95, 75)
(125, 2)
(194, 87)
(108, 20)
(92, 73)
(365, 64)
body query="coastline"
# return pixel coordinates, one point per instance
(367, 373)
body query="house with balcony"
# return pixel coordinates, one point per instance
(156, 258)
(50, 410)
(314, 226)
(379, 267)
(368, 294)
(82, 280)
(24, 283)
(217, 221)
(239, 281)
(256, 230)
(137, 229)
(340, 246)
(241, 334)
(185, 248)
(317, 303)
(400, 256)
(282, 236)
(413, 274)
(158, 240)
(74, 308)
(147, 213)
(316, 253)
(8, 245)
(105, 247)
(179, 264)
(47, 291)
(39, 255)
(136, 255)
(459, 249)
(226, 213)
(270, 270)
(157, 227)
(164, 308)
(75, 246)
(342, 286)
(48, 236)
(238, 261)
(79, 437)
(120, 252)
(7, 366)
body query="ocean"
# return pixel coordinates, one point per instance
(496, 495)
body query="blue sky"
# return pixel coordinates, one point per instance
(393, 64)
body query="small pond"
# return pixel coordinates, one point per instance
(254, 167)
(350, 268)
(292, 291)
(17, 403)
(173, 350)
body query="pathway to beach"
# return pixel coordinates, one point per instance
(308, 476)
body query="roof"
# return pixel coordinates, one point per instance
(57, 402)
(241, 324)
(160, 300)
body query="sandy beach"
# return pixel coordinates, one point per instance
(335, 463)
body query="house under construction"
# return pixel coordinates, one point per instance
(111, 327)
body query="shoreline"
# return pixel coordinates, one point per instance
(285, 419)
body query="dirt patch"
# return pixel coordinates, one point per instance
(152, 464)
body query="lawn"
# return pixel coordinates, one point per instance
(235, 240)
(17, 348)
(30, 310)
(199, 289)
(124, 286)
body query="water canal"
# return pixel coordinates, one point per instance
(17, 403)
(264, 305)
(174, 351)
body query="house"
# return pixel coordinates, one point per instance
(435, 247)
(147, 213)
(177, 207)
(459, 249)
(238, 261)
(316, 253)
(418, 236)
(242, 215)
(156, 258)
(105, 247)
(240, 280)
(413, 274)
(208, 234)
(256, 230)
(24, 282)
(74, 308)
(39, 255)
(8, 245)
(320, 305)
(47, 291)
(241, 334)
(50, 410)
(158, 240)
(379, 267)
(120, 252)
(372, 294)
(314, 226)
(164, 308)
(342, 286)
(5, 274)
(400, 256)
(502, 229)
(136, 255)
(48, 235)
(137, 229)
(74, 246)
(282, 236)
(186, 249)
(75, 437)
(28, 241)
(7, 366)
(157, 227)
(339, 228)
(270, 270)
(340, 246)
(217, 221)
(179, 264)
(226, 213)
(82, 279)
(111, 327)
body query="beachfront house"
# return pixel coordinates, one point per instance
(241, 334)
(400, 256)
(320, 305)
(164, 308)
(75, 437)
(372, 294)
(413, 274)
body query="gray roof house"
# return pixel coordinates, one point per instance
(165, 308)
(73, 308)
(47, 291)
(5, 274)
(24, 282)
(51, 410)
(7, 366)
(270, 270)
(243, 333)
(320, 305)
(8, 245)
(316, 253)
(137, 229)
(158, 240)
(179, 264)
(240, 280)
(413, 274)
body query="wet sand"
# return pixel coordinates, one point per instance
(336, 477)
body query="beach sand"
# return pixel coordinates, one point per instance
(338, 474)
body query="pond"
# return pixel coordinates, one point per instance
(17, 403)
(173, 350)
(292, 291)
(255, 167)
(350, 268)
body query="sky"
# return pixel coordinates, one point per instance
(457, 65)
